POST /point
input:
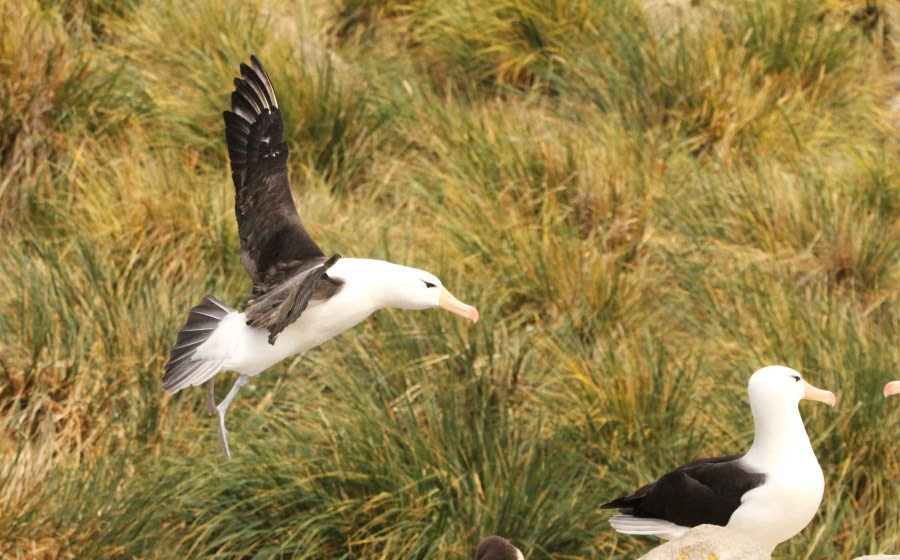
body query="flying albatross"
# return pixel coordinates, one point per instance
(892, 388)
(301, 298)
(770, 493)
(497, 548)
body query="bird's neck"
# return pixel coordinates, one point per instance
(779, 435)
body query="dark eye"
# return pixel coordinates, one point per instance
(428, 284)
(796, 377)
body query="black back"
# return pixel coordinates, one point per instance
(273, 239)
(703, 491)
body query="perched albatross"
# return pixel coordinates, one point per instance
(300, 297)
(497, 548)
(770, 493)
(892, 388)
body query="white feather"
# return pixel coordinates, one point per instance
(630, 525)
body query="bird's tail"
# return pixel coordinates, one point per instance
(631, 525)
(185, 367)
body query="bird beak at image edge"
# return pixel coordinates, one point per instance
(816, 394)
(453, 305)
(892, 388)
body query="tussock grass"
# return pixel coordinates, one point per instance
(646, 202)
(55, 77)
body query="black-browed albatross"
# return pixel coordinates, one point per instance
(770, 493)
(497, 548)
(300, 297)
(892, 388)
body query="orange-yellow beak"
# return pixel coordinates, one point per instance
(453, 305)
(816, 394)
(892, 388)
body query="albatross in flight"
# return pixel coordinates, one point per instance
(770, 493)
(301, 298)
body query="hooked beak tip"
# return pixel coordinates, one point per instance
(815, 394)
(453, 305)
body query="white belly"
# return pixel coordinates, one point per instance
(247, 350)
(781, 507)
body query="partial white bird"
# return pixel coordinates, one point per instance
(497, 548)
(300, 297)
(892, 388)
(770, 493)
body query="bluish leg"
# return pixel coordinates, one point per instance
(223, 407)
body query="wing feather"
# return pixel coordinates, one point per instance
(270, 228)
(704, 491)
(287, 267)
(280, 306)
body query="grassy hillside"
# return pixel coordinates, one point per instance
(646, 200)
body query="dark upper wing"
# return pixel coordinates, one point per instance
(273, 239)
(281, 305)
(704, 491)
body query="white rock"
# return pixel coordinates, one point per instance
(708, 541)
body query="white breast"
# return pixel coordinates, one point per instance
(783, 505)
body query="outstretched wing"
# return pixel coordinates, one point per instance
(273, 239)
(287, 267)
(704, 491)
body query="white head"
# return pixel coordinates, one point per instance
(775, 392)
(403, 287)
(892, 388)
(782, 386)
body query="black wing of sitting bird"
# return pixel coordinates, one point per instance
(287, 267)
(703, 491)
